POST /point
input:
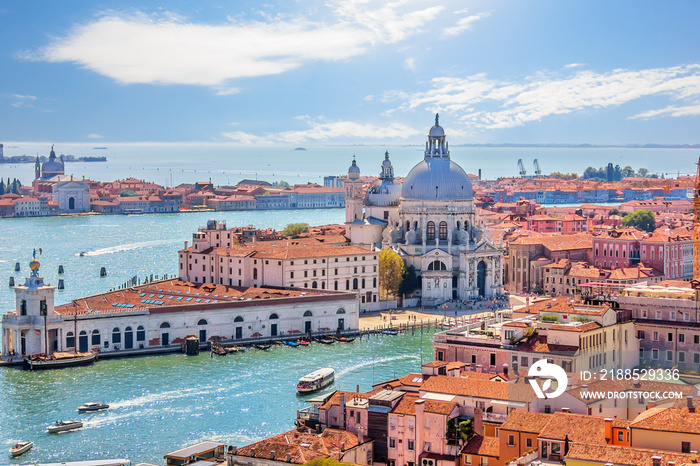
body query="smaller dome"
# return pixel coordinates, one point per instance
(354, 168)
(437, 132)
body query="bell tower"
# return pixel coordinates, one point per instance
(27, 333)
(353, 194)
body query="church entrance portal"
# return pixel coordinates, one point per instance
(71, 203)
(481, 278)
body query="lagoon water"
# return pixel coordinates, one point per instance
(162, 403)
(172, 164)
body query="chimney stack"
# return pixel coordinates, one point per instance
(252, 452)
(478, 421)
(342, 446)
(691, 406)
(505, 369)
(289, 457)
(608, 428)
(272, 455)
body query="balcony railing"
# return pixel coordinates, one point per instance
(495, 417)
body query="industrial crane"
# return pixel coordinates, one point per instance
(536, 164)
(522, 168)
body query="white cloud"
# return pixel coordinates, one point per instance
(463, 24)
(574, 65)
(168, 49)
(94, 136)
(409, 64)
(228, 91)
(672, 111)
(24, 97)
(487, 103)
(326, 131)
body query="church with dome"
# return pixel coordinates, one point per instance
(430, 221)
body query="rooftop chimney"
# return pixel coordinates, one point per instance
(252, 452)
(691, 406)
(505, 369)
(342, 446)
(272, 455)
(584, 388)
(565, 410)
(289, 457)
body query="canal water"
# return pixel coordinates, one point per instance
(161, 403)
(126, 245)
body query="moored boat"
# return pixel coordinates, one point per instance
(293, 344)
(20, 448)
(263, 347)
(59, 359)
(390, 331)
(89, 407)
(304, 343)
(316, 380)
(325, 341)
(63, 426)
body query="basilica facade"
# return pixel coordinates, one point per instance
(430, 221)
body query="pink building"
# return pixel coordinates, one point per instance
(669, 251)
(617, 248)
(566, 224)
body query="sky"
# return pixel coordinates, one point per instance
(297, 73)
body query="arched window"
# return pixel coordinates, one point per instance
(437, 265)
(354, 283)
(165, 325)
(458, 224)
(340, 311)
(430, 234)
(140, 333)
(238, 319)
(415, 225)
(96, 338)
(70, 340)
(363, 283)
(374, 282)
(308, 314)
(443, 231)
(274, 316)
(323, 285)
(314, 285)
(116, 335)
(202, 322)
(347, 284)
(466, 225)
(336, 285)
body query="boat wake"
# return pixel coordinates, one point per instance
(127, 247)
(347, 370)
(154, 398)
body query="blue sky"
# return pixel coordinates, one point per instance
(350, 71)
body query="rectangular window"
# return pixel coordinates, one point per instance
(547, 409)
(528, 442)
(681, 357)
(681, 338)
(696, 358)
(696, 339)
(655, 336)
(511, 440)
(670, 336)
(685, 447)
(669, 355)
(411, 444)
(392, 442)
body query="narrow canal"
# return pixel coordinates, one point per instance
(161, 403)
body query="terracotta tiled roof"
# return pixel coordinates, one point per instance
(406, 406)
(301, 447)
(435, 364)
(576, 427)
(668, 420)
(525, 421)
(334, 400)
(588, 326)
(558, 242)
(439, 407)
(177, 293)
(538, 344)
(624, 456)
(482, 446)
(476, 388)
(415, 380)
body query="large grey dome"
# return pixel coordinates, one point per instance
(437, 178)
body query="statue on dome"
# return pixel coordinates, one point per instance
(437, 117)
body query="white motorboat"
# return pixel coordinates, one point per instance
(316, 380)
(20, 448)
(89, 407)
(63, 426)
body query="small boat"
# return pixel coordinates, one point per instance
(316, 380)
(59, 359)
(304, 343)
(325, 341)
(21, 448)
(293, 344)
(63, 426)
(263, 347)
(390, 331)
(83, 253)
(346, 340)
(89, 407)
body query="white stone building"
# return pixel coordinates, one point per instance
(162, 314)
(431, 222)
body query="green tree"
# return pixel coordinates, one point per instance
(410, 281)
(295, 229)
(643, 172)
(326, 462)
(642, 219)
(390, 273)
(627, 171)
(128, 193)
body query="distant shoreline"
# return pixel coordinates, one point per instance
(68, 158)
